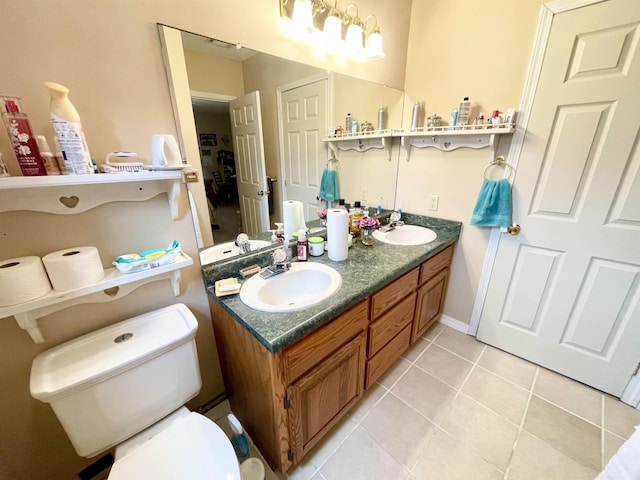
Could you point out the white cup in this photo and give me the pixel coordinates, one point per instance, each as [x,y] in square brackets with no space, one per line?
[165,152]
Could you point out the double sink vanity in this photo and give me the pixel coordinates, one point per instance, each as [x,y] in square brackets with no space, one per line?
[292,374]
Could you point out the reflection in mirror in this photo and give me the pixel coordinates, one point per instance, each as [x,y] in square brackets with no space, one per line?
[294,154]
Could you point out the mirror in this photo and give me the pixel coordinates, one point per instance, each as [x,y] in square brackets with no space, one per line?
[219,72]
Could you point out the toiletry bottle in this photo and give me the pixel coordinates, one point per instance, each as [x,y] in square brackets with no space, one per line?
[280,232]
[355,215]
[454,118]
[49,160]
[347,124]
[22,140]
[303,246]
[415,115]
[382,113]
[66,124]
[66,167]
[464,112]
[354,126]
[4,172]
[238,440]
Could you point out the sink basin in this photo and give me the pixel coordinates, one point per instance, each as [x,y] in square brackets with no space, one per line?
[406,235]
[227,250]
[304,285]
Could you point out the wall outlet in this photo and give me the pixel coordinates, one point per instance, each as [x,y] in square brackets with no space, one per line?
[433,204]
[364,194]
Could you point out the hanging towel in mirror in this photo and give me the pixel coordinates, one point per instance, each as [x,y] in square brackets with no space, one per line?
[329,186]
[493,207]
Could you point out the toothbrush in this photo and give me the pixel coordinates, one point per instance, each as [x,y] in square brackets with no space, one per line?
[379,210]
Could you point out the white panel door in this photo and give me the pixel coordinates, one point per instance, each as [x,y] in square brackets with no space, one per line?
[304,155]
[246,129]
[565,293]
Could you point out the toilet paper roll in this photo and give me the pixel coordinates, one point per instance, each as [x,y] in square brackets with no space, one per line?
[292,217]
[338,234]
[74,267]
[22,279]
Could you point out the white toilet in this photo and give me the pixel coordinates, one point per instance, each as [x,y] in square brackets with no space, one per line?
[125,386]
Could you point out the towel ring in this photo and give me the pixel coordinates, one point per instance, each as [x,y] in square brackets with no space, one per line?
[499,161]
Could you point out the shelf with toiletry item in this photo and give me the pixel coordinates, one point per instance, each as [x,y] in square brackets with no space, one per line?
[448,138]
[113,286]
[71,194]
[361,142]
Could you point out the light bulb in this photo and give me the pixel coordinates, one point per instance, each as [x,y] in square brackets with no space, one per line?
[302,16]
[354,38]
[374,46]
[332,31]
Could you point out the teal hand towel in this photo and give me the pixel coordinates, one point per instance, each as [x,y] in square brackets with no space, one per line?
[329,186]
[493,208]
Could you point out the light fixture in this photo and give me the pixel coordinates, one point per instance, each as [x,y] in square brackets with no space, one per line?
[332,30]
[302,15]
[373,47]
[322,26]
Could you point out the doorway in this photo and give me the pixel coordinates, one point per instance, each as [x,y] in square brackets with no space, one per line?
[213,127]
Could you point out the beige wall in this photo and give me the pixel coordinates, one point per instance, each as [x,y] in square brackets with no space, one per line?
[108,54]
[459,48]
[213,74]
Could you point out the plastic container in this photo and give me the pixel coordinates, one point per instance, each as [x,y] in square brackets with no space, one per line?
[454,117]
[4,172]
[355,215]
[280,232]
[21,137]
[382,113]
[49,160]
[66,124]
[316,246]
[139,262]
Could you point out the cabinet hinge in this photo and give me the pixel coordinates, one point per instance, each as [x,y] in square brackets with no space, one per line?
[290,455]
[287,402]
[637,369]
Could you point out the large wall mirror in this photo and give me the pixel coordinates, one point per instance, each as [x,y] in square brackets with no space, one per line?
[219,74]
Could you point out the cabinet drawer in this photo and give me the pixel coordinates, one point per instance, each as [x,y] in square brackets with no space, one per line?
[432,266]
[388,325]
[387,296]
[306,353]
[379,364]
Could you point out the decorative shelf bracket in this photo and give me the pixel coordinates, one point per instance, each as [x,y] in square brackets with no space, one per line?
[361,142]
[113,286]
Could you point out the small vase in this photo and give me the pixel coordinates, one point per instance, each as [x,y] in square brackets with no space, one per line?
[367,236]
[323,222]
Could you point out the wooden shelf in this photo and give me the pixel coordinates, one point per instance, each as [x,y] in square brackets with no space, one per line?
[451,138]
[71,194]
[113,286]
[361,142]
[443,138]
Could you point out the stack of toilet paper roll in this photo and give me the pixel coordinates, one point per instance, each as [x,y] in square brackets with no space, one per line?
[26,278]
[292,217]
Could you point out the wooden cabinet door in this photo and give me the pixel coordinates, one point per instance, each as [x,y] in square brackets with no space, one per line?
[429,303]
[321,397]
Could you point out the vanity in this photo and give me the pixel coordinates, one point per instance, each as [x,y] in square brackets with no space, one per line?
[290,377]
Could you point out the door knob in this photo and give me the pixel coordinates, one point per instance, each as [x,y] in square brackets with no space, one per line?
[513,229]
[261,193]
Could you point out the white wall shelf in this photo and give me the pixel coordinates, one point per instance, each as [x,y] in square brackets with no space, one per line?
[451,138]
[360,142]
[71,194]
[113,286]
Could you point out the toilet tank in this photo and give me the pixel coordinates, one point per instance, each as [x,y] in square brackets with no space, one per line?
[110,384]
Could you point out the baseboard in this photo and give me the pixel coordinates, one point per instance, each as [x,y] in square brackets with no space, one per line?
[455,324]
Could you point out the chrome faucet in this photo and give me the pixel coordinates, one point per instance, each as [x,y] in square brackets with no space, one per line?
[394,221]
[281,263]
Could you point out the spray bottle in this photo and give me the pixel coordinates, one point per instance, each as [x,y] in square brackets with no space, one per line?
[22,139]
[68,129]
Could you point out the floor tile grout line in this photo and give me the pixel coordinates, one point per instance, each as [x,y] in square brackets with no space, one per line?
[521,426]
[459,390]
[564,409]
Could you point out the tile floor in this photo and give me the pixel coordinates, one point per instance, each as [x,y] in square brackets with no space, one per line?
[454,408]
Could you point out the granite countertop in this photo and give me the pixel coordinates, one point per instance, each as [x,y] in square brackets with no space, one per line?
[366,270]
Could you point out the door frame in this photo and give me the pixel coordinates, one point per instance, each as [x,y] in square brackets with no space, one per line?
[290,86]
[631,394]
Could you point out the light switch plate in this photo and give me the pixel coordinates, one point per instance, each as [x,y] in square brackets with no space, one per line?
[433,205]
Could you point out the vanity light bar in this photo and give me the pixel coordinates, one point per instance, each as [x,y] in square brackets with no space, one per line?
[314,20]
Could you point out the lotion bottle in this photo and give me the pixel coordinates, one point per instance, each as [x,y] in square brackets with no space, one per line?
[22,139]
[68,129]
[49,160]
[415,115]
[464,112]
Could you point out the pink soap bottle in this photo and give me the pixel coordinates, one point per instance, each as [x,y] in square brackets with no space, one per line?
[22,139]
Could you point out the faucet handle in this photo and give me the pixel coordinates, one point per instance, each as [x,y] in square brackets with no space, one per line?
[280,255]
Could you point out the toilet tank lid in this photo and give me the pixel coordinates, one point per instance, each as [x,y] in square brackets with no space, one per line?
[105,352]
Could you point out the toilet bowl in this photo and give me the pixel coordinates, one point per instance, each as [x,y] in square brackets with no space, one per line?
[125,386]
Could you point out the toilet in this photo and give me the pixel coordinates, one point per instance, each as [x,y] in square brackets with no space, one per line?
[125,386]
